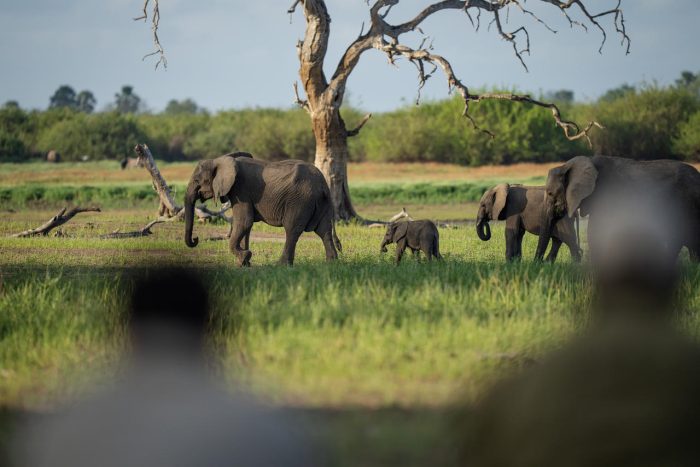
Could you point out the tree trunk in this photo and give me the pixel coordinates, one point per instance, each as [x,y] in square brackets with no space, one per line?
[332,158]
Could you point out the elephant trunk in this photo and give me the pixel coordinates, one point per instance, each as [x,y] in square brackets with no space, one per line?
[382,247]
[483,230]
[190,198]
[546,225]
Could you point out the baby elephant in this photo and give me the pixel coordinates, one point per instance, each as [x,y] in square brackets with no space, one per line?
[417,235]
[521,207]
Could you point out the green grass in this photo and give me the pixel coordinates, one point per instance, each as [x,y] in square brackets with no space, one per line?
[131,194]
[375,355]
[360,331]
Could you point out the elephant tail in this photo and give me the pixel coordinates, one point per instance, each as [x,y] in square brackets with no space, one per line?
[336,240]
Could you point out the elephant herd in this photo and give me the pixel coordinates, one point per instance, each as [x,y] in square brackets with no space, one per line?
[294,194]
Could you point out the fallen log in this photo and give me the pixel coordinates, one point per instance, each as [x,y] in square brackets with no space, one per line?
[59,219]
[144,232]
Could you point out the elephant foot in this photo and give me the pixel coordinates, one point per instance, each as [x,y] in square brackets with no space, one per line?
[244,258]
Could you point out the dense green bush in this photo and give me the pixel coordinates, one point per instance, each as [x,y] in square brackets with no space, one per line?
[647,123]
[437,131]
[13,124]
[269,133]
[99,136]
[642,125]
[11,147]
[688,140]
[168,134]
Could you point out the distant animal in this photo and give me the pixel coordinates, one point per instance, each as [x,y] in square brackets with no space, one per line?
[131,163]
[292,194]
[421,235]
[589,183]
[521,207]
[53,156]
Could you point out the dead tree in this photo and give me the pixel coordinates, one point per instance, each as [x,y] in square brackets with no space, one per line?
[59,219]
[324,96]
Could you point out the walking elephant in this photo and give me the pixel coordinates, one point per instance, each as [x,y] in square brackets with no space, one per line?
[421,235]
[291,194]
[594,183]
[521,207]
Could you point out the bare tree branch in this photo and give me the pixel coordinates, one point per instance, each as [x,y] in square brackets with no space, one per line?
[385,37]
[356,130]
[144,232]
[59,219]
[324,98]
[312,50]
[303,103]
[155,22]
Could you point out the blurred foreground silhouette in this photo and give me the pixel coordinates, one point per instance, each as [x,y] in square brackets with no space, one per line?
[165,410]
[623,394]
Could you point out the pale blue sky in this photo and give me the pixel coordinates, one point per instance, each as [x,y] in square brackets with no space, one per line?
[235,53]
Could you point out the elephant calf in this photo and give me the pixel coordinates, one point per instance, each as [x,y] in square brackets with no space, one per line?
[521,207]
[417,235]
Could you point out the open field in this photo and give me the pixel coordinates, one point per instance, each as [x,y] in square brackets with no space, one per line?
[354,344]
[179,172]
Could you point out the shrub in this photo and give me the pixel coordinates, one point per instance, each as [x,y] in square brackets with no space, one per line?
[100,136]
[687,142]
[437,131]
[644,124]
[11,147]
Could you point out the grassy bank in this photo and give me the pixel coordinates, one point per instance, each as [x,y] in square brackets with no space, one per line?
[40,184]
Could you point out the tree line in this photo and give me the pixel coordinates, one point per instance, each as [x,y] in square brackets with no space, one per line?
[641,122]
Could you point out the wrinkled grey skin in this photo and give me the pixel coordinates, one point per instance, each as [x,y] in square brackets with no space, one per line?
[521,207]
[419,236]
[291,194]
[586,182]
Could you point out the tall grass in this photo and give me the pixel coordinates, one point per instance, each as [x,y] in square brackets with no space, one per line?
[130,195]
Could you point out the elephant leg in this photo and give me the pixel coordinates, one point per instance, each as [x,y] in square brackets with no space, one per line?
[575,250]
[400,248]
[426,247]
[512,232]
[240,229]
[326,234]
[519,242]
[290,246]
[554,251]
[415,252]
[246,247]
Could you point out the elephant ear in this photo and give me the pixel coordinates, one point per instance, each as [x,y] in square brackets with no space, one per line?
[400,231]
[499,199]
[581,176]
[225,169]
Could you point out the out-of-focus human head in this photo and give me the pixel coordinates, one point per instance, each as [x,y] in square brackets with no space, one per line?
[625,392]
[625,395]
[166,410]
[168,312]
[635,243]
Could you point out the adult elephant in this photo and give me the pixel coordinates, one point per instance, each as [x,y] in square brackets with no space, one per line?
[521,207]
[589,183]
[291,194]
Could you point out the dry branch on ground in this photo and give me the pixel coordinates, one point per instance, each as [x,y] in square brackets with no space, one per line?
[61,218]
